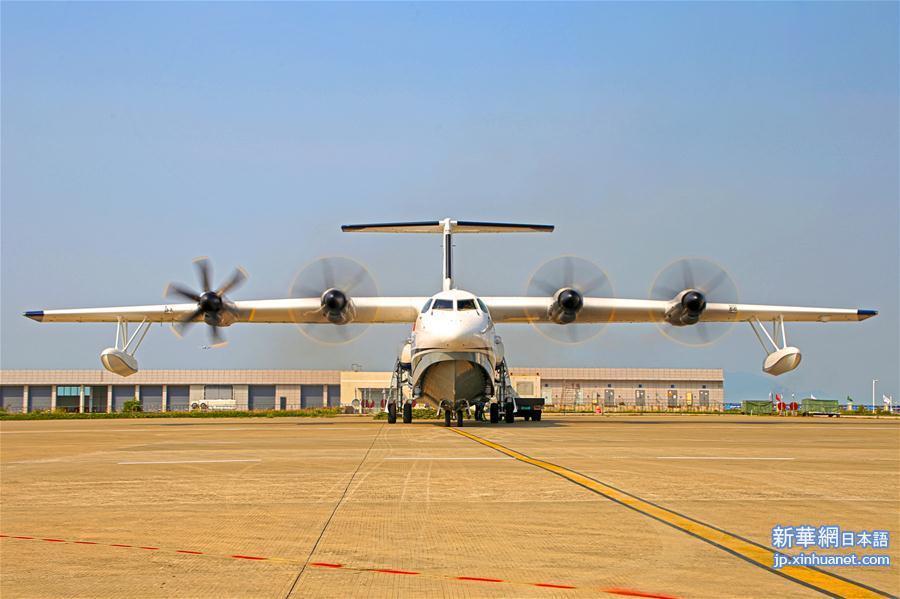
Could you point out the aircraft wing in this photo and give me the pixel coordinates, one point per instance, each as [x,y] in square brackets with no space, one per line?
[305,310]
[602,310]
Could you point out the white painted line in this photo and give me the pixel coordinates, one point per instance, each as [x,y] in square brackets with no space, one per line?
[427,458]
[688,457]
[188,462]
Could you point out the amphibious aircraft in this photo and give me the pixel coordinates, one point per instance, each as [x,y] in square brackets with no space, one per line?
[453,359]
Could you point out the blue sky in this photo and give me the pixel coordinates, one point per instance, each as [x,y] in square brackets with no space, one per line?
[761,135]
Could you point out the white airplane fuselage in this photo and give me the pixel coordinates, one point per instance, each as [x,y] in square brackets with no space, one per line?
[454,351]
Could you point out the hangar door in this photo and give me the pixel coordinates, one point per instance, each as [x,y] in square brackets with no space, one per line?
[261,397]
[151,398]
[311,396]
[121,394]
[39,398]
[11,397]
[179,397]
[334,396]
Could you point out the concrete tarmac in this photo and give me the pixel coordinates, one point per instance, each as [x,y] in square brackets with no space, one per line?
[656,506]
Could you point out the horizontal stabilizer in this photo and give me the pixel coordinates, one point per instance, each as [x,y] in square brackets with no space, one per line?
[456,226]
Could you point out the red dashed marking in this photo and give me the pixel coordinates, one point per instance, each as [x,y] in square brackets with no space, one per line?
[633,593]
[549,585]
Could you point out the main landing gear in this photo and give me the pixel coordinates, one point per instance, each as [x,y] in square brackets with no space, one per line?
[447,417]
[495,413]
[392,413]
[407,412]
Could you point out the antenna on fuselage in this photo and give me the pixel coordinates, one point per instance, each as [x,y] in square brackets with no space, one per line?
[447,227]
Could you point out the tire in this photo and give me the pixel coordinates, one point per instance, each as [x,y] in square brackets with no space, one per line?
[447,417]
[392,412]
[536,416]
[407,413]
[527,417]
[495,413]
[479,413]
[459,418]
[508,415]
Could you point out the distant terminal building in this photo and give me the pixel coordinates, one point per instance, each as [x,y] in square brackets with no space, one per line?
[583,389]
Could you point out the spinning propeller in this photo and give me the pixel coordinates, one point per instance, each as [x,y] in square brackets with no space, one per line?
[693,282]
[212,305]
[568,279]
[333,281]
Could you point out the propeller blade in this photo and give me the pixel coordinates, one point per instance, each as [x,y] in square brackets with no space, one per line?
[215,337]
[181,326]
[715,282]
[687,274]
[703,332]
[237,279]
[327,274]
[358,277]
[666,292]
[595,285]
[546,287]
[568,271]
[204,272]
[181,291]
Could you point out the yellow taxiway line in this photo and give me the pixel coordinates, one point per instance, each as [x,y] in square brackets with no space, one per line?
[756,554]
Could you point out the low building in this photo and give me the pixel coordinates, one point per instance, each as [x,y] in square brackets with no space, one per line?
[606,389]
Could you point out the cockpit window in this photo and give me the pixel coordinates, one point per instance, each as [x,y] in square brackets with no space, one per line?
[442,304]
[426,306]
[465,304]
[482,306]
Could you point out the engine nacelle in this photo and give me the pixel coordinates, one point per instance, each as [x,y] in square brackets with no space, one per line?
[567,303]
[688,309]
[337,307]
[781,361]
[118,362]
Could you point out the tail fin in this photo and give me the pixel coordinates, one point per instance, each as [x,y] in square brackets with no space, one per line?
[447,227]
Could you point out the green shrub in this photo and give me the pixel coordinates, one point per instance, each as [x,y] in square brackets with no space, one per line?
[132,405]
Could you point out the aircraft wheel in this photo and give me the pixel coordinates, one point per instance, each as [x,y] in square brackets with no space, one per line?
[392,412]
[459,417]
[479,412]
[447,417]
[536,415]
[407,413]
[509,415]
[495,413]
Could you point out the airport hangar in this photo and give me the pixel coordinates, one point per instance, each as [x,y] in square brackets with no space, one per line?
[611,389]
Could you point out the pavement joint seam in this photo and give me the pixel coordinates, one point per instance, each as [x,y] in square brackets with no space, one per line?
[333,512]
